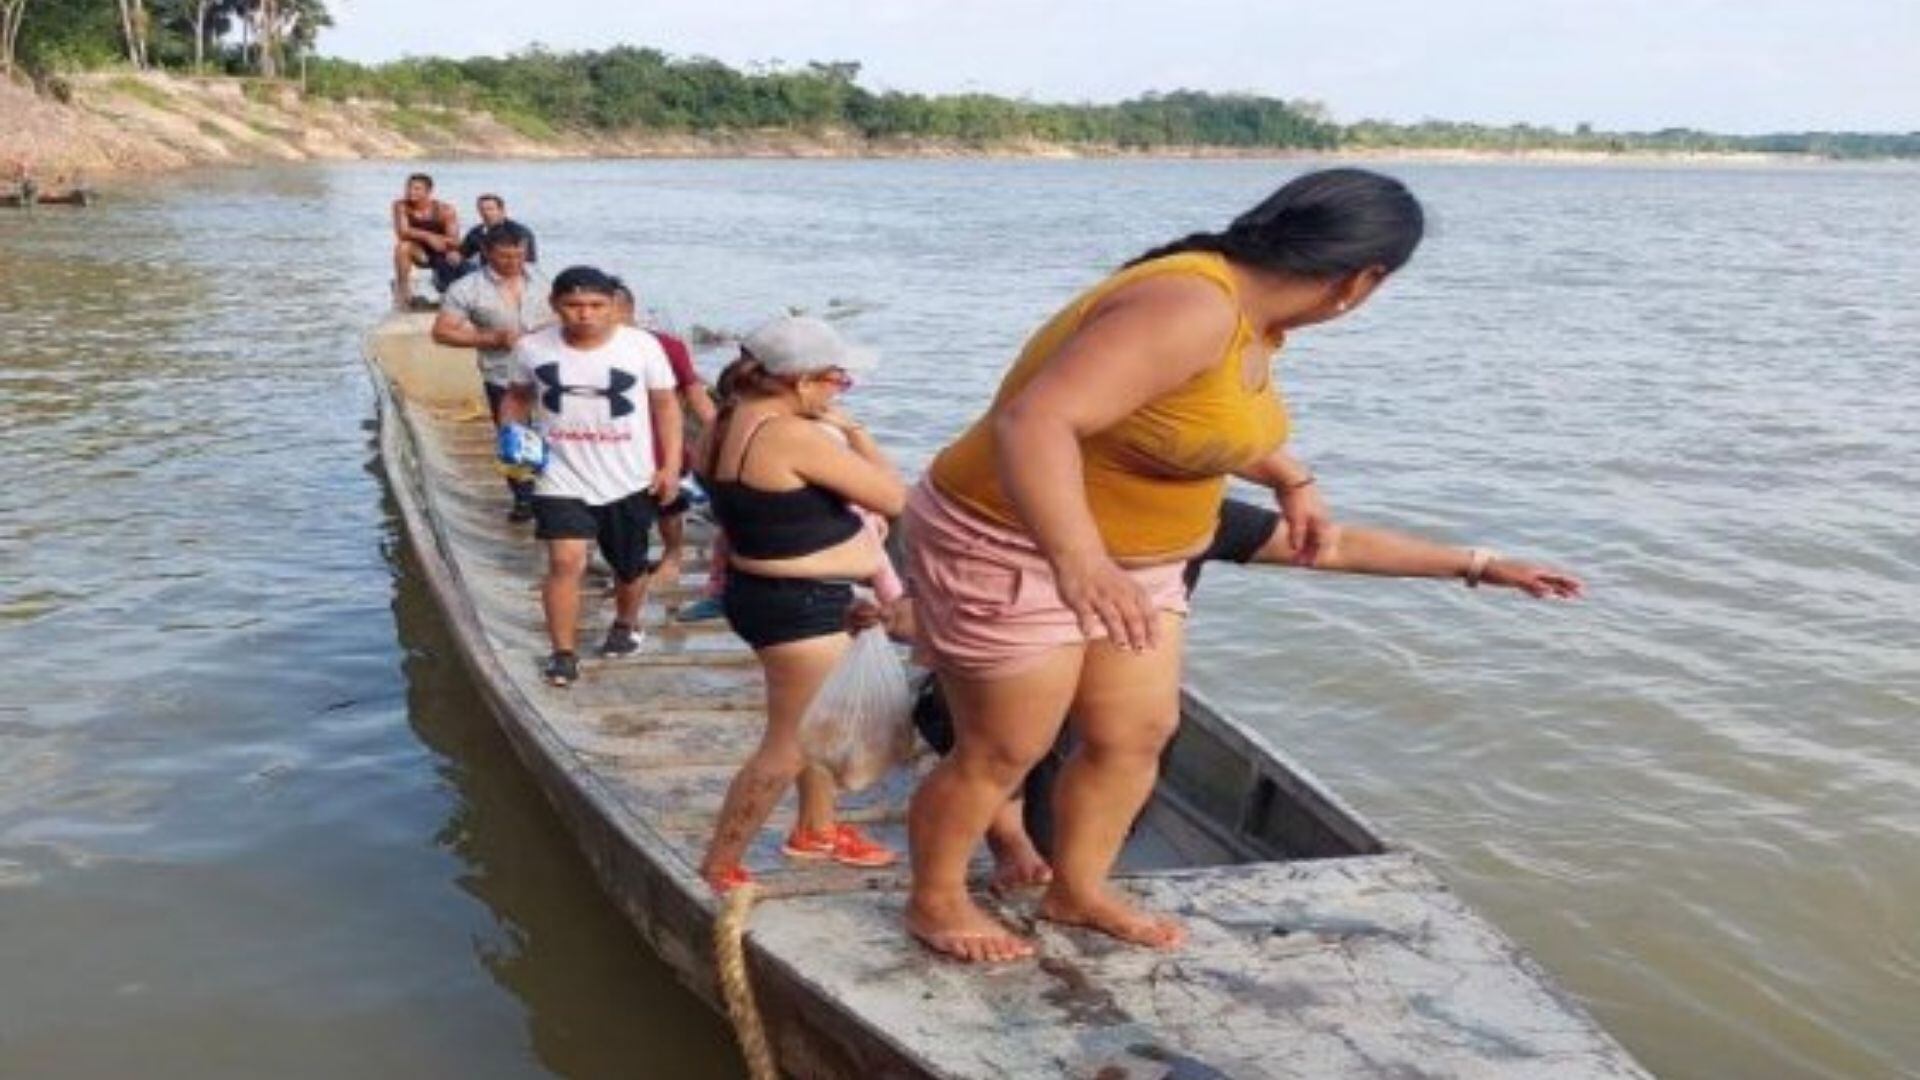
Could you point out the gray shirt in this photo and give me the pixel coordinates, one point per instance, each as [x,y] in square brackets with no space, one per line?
[478,299]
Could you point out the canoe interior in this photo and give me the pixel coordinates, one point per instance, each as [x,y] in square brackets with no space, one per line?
[1316,951]
[1225,796]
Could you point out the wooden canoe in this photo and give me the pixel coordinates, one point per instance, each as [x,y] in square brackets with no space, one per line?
[75,197]
[1316,950]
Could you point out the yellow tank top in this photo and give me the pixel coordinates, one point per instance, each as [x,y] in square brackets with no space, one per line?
[1155,479]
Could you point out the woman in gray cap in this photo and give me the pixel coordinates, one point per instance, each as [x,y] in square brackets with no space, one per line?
[786,470]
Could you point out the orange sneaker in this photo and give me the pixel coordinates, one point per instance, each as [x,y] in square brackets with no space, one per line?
[730,879]
[844,844]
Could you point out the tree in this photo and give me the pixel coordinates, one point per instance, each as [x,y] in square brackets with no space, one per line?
[280,27]
[264,15]
[12,14]
[134,28]
[201,10]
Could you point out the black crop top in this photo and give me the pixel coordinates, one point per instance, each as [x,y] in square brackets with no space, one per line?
[779,524]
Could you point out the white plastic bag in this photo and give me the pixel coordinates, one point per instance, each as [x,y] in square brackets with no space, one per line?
[860,724]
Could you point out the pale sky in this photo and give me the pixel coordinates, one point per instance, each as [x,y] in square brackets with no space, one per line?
[1736,66]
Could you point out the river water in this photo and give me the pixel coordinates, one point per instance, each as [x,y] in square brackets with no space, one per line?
[254,821]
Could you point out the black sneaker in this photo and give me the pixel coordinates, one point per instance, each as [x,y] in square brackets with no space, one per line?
[522,510]
[561,669]
[622,640]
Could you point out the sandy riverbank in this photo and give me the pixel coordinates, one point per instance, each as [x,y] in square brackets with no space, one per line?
[127,123]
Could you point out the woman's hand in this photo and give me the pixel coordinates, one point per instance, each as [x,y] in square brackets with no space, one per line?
[1101,594]
[1308,520]
[665,486]
[895,618]
[864,615]
[1540,582]
[899,620]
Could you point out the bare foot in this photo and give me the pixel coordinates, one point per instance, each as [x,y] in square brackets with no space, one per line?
[1016,864]
[963,932]
[1109,914]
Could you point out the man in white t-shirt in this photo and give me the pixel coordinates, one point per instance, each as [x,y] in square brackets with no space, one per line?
[596,390]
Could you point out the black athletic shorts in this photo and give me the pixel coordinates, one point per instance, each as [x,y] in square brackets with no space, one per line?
[768,611]
[1243,530]
[620,527]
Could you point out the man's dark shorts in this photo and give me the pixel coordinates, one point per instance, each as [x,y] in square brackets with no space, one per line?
[619,527]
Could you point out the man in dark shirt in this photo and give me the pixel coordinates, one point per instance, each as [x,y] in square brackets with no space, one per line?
[493,218]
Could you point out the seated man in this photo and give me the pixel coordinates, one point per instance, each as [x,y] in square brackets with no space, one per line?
[597,390]
[426,233]
[489,311]
[494,219]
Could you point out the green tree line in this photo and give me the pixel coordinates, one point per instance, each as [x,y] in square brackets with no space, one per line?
[627,88]
[264,37]
[636,88]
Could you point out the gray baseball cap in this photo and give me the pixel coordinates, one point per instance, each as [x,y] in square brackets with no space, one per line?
[803,345]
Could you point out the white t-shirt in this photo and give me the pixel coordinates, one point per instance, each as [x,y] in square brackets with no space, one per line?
[592,408]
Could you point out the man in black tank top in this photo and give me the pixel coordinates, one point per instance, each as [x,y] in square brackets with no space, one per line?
[426,234]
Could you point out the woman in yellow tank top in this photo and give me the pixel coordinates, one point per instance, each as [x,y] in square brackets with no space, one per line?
[1046,544]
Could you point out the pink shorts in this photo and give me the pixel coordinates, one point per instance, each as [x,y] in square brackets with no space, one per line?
[985,602]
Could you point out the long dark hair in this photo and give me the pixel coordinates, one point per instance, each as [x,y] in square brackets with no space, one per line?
[744,379]
[1324,225]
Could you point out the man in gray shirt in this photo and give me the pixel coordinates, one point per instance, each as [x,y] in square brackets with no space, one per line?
[488,311]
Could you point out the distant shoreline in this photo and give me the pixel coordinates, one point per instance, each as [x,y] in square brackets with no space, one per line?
[122,124]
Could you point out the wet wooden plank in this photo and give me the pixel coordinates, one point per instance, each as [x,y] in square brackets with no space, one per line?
[1363,967]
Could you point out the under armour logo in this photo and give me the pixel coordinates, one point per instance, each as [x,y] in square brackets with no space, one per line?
[618,383]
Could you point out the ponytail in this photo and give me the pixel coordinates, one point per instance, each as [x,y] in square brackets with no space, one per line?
[1324,225]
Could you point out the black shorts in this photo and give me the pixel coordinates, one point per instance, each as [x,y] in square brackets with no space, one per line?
[680,505]
[769,611]
[620,527]
[1243,530]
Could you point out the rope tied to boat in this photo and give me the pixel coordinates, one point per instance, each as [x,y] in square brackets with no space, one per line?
[730,959]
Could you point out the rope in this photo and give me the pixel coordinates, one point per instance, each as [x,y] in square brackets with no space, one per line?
[730,958]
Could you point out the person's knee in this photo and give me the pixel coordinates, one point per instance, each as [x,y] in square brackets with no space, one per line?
[1003,764]
[1143,740]
[566,563]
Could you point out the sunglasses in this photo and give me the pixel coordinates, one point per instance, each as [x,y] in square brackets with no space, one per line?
[837,377]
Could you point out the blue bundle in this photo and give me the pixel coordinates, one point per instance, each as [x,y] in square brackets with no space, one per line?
[522,452]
